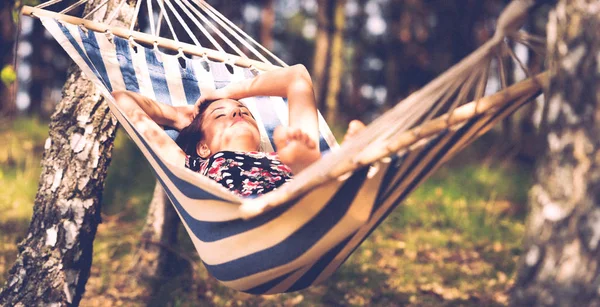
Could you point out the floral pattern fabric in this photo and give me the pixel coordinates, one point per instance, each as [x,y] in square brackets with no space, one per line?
[245,173]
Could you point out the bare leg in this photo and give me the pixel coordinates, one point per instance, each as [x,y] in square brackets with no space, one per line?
[295,148]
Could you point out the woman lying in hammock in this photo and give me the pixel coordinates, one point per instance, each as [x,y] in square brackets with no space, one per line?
[220,138]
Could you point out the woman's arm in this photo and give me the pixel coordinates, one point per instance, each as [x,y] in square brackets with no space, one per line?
[293,83]
[164,115]
[146,115]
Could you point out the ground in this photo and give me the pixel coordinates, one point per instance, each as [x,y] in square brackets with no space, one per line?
[454,241]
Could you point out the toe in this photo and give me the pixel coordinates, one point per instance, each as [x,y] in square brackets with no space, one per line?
[280,136]
[355,126]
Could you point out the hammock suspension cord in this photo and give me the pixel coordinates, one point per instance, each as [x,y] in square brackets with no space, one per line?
[202,10]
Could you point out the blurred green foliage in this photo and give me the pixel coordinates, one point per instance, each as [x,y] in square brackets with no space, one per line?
[8,75]
[16,12]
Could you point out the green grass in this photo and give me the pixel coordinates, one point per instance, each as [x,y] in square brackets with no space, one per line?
[23,141]
[129,183]
[472,200]
[20,168]
[454,241]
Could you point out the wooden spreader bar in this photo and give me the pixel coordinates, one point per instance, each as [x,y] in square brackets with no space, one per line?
[151,40]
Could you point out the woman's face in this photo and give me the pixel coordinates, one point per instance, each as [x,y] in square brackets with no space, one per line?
[228,125]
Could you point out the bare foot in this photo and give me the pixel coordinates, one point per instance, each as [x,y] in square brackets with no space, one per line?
[295,148]
[354,127]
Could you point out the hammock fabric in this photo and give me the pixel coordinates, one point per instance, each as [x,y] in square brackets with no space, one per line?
[301,233]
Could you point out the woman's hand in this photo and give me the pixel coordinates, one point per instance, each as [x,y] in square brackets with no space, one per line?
[209,94]
[184,116]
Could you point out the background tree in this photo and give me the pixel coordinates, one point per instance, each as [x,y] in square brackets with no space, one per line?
[155,257]
[321,58]
[335,69]
[267,22]
[560,262]
[8,34]
[48,63]
[54,259]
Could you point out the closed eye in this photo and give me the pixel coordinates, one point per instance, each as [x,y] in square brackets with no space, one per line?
[220,115]
[247,113]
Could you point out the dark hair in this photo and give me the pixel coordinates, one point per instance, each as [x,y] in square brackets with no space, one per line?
[192,134]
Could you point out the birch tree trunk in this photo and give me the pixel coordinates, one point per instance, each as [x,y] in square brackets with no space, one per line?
[560,263]
[54,259]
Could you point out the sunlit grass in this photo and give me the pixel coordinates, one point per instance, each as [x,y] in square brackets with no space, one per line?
[472,200]
[129,183]
[20,167]
[455,239]
[22,143]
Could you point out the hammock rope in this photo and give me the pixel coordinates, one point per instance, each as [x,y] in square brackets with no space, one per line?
[300,234]
[229,30]
[47,4]
[213,27]
[196,22]
[115,12]
[133,22]
[232,25]
[163,14]
[73,6]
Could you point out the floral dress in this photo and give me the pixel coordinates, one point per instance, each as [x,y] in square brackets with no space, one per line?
[244,173]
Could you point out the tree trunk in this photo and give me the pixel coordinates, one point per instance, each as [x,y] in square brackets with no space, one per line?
[336,63]
[160,230]
[355,106]
[54,259]
[267,22]
[322,50]
[42,75]
[559,265]
[8,31]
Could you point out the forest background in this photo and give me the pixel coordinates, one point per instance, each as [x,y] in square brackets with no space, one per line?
[455,240]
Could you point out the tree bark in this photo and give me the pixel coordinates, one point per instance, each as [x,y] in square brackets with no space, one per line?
[54,259]
[560,262]
[322,50]
[336,63]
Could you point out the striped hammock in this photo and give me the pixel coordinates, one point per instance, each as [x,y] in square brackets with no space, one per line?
[301,233]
